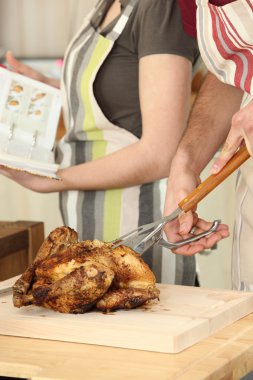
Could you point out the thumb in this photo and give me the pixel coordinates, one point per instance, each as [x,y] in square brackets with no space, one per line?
[185,222]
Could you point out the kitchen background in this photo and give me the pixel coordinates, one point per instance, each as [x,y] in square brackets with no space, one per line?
[38,32]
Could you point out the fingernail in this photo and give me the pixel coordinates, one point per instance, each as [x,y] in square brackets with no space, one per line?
[215,169]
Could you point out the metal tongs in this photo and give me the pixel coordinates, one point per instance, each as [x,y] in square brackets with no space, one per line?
[144,237]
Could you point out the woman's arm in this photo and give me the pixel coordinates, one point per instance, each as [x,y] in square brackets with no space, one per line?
[164,97]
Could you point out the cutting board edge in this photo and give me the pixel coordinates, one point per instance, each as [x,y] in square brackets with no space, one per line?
[100,333]
[236,312]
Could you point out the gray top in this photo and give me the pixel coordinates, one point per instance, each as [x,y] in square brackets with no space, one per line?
[154,27]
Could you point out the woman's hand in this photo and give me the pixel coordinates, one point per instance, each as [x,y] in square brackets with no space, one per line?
[21,68]
[32,182]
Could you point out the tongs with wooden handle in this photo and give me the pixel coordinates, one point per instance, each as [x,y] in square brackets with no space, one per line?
[147,235]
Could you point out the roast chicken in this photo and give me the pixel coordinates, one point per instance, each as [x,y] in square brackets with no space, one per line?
[72,276]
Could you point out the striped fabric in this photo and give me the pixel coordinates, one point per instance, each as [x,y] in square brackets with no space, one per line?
[225,36]
[229,53]
[106,215]
[91,136]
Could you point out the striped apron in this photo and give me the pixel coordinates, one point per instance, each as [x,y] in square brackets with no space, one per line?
[225,37]
[106,215]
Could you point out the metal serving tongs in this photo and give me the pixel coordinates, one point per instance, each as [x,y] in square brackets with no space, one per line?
[144,237]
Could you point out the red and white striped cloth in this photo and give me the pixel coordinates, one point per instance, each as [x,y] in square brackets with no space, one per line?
[229,51]
[225,36]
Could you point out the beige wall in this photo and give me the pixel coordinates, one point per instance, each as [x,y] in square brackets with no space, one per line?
[40,28]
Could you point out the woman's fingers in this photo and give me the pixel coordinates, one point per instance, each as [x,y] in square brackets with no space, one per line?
[14,64]
[21,68]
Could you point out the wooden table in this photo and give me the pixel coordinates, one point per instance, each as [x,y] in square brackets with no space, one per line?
[226,355]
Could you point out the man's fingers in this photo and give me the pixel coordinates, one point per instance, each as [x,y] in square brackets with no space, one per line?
[248,137]
[227,152]
[205,242]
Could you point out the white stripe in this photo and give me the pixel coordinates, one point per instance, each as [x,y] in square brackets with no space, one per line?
[168,258]
[72,214]
[66,152]
[168,266]
[162,190]
[129,209]
[119,27]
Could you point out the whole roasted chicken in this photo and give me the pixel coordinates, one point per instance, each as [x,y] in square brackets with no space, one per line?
[72,277]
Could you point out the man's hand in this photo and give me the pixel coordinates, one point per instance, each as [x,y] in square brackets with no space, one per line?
[208,127]
[241,129]
[180,184]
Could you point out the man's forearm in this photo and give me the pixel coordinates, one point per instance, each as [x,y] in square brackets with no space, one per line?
[209,123]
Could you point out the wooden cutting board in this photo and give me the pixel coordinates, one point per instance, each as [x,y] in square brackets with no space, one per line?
[183,316]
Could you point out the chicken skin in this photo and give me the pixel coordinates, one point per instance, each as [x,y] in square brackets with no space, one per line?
[72,276]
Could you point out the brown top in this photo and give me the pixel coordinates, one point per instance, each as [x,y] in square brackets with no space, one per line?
[154,27]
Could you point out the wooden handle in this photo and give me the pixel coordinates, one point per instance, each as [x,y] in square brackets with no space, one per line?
[189,202]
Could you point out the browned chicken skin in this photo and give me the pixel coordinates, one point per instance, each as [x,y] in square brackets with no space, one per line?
[72,277]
